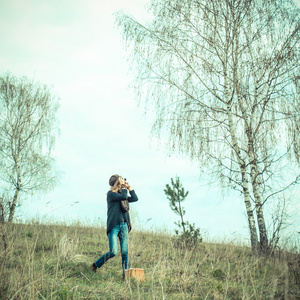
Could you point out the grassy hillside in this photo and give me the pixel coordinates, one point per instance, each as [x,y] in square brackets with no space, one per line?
[52,262]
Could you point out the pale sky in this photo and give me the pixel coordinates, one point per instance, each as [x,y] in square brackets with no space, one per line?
[74,47]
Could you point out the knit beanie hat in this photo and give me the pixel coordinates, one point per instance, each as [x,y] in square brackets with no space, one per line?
[113,179]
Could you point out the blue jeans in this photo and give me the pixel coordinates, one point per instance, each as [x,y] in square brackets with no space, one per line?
[119,231]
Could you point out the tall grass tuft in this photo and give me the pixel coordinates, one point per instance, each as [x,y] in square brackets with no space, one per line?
[67,247]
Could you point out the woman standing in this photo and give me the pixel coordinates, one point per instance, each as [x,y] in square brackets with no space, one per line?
[118,221]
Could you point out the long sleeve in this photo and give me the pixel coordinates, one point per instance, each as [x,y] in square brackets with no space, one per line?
[116,197]
[133,197]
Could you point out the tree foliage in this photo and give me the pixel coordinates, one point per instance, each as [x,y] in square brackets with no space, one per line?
[28,127]
[223,76]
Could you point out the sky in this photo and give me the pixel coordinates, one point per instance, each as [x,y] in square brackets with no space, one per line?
[74,47]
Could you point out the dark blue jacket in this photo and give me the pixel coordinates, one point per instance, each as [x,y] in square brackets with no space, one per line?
[115,215]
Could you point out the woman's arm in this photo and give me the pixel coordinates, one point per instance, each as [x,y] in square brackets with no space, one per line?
[112,196]
[133,197]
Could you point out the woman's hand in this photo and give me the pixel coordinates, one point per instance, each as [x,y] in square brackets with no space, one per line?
[128,186]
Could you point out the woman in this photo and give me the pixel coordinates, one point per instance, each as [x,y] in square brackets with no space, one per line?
[118,221]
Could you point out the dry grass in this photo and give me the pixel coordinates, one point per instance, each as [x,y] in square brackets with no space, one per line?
[52,262]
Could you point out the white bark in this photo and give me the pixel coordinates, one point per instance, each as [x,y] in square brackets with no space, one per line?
[244,175]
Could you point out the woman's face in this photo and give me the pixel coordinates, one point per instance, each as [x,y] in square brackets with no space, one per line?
[121,180]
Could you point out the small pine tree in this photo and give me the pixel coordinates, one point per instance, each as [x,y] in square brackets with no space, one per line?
[176,195]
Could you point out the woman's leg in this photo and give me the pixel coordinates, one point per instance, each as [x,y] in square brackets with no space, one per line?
[124,238]
[113,247]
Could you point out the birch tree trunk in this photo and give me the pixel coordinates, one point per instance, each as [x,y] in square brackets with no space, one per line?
[12,207]
[258,203]
[263,241]
[244,175]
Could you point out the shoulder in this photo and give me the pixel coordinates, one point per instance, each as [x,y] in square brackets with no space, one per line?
[109,193]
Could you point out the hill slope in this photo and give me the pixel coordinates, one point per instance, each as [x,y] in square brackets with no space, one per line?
[52,262]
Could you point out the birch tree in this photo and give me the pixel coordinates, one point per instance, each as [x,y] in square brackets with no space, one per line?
[222,76]
[28,127]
